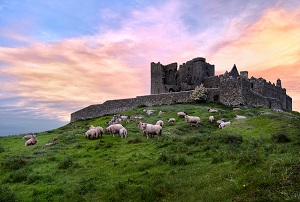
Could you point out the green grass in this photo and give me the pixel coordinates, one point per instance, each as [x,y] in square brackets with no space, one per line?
[255,159]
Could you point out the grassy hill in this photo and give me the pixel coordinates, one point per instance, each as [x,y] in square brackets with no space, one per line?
[255,159]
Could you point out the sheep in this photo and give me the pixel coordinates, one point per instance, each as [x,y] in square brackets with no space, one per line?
[151,130]
[123,132]
[91,127]
[31,141]
[239,117]
[113,129]
[192,120]
[277,110]
[149,111]
[160,113]
[236,109]
[160,123]
[91,133]
[212,110]
[99,131]
[26,137]
[220,121]
[171,120]
[223,124]
[211,119]
[181,114]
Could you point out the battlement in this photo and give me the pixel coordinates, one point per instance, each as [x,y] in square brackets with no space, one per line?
[170,85]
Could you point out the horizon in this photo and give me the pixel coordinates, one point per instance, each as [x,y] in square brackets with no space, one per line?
[59,57]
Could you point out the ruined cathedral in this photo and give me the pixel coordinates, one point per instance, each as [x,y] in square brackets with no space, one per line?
[231,88]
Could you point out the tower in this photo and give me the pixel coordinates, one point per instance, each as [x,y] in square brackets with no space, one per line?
[278,83]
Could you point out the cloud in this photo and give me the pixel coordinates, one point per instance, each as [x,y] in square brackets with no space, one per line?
[52,80]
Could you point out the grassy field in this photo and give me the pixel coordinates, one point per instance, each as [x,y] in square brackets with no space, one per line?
[255,159]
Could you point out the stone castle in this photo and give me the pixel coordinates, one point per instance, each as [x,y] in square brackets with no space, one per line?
[170,85]
[232,88]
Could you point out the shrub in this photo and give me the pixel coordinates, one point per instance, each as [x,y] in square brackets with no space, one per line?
[231,139]
[172,159]
[199,94]
[2,149]
[14,162]
[280,138]
[6,194]
[65,163]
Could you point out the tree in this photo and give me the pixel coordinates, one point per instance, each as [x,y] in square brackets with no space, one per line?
[199,94]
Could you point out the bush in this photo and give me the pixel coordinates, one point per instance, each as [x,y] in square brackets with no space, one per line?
[6,194]
[2,149]
[14,162]
[231,139]
[65,163]
[172,159]
[199,94]
[280,138]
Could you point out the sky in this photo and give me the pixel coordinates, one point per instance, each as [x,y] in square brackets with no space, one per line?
[57,57]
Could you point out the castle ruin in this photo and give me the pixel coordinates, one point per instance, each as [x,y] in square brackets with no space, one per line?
[231,88]
[170,85]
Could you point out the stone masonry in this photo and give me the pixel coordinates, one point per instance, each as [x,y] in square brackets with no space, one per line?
[171,85]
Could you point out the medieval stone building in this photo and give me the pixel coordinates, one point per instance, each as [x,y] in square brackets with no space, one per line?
[232,88]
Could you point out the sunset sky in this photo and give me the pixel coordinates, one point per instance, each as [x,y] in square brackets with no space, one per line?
[57,57]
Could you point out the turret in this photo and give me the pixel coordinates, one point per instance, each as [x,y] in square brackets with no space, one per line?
[278,83]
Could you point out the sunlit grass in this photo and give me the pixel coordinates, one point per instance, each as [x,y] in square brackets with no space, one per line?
[255,159]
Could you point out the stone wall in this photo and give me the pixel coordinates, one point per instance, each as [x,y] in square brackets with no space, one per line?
[117,106]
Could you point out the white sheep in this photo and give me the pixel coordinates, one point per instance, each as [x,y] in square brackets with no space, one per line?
[151,130]
[220,121]
[236,109]
[160,123]
[149,111]
[26,137]
[113,129]
[91,127]
[31,141]
[212,110]
[192,120]
[123,132]
[223,124]
[211,119]
[239,117]
[171,120]
[99,131]
[160,113]
[91,133]
[181,114]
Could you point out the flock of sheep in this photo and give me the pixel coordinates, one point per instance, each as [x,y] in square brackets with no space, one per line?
[114,127]
[150,129]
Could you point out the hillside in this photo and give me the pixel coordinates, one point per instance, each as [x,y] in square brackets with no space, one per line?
[254,159]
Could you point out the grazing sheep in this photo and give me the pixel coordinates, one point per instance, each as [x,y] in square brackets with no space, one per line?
[171,120]
[91,127]
[211,119]
[99,131]
[91,133]
[239,117]
[31,141]
[149,111]
[223,124]
[151,130]
[181,114]
[220,121]
[277,110]
[26,137]
[192,120]
[113,129]
[212,110]
[160,123]
[160,113]
[236,109]
[123,132]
